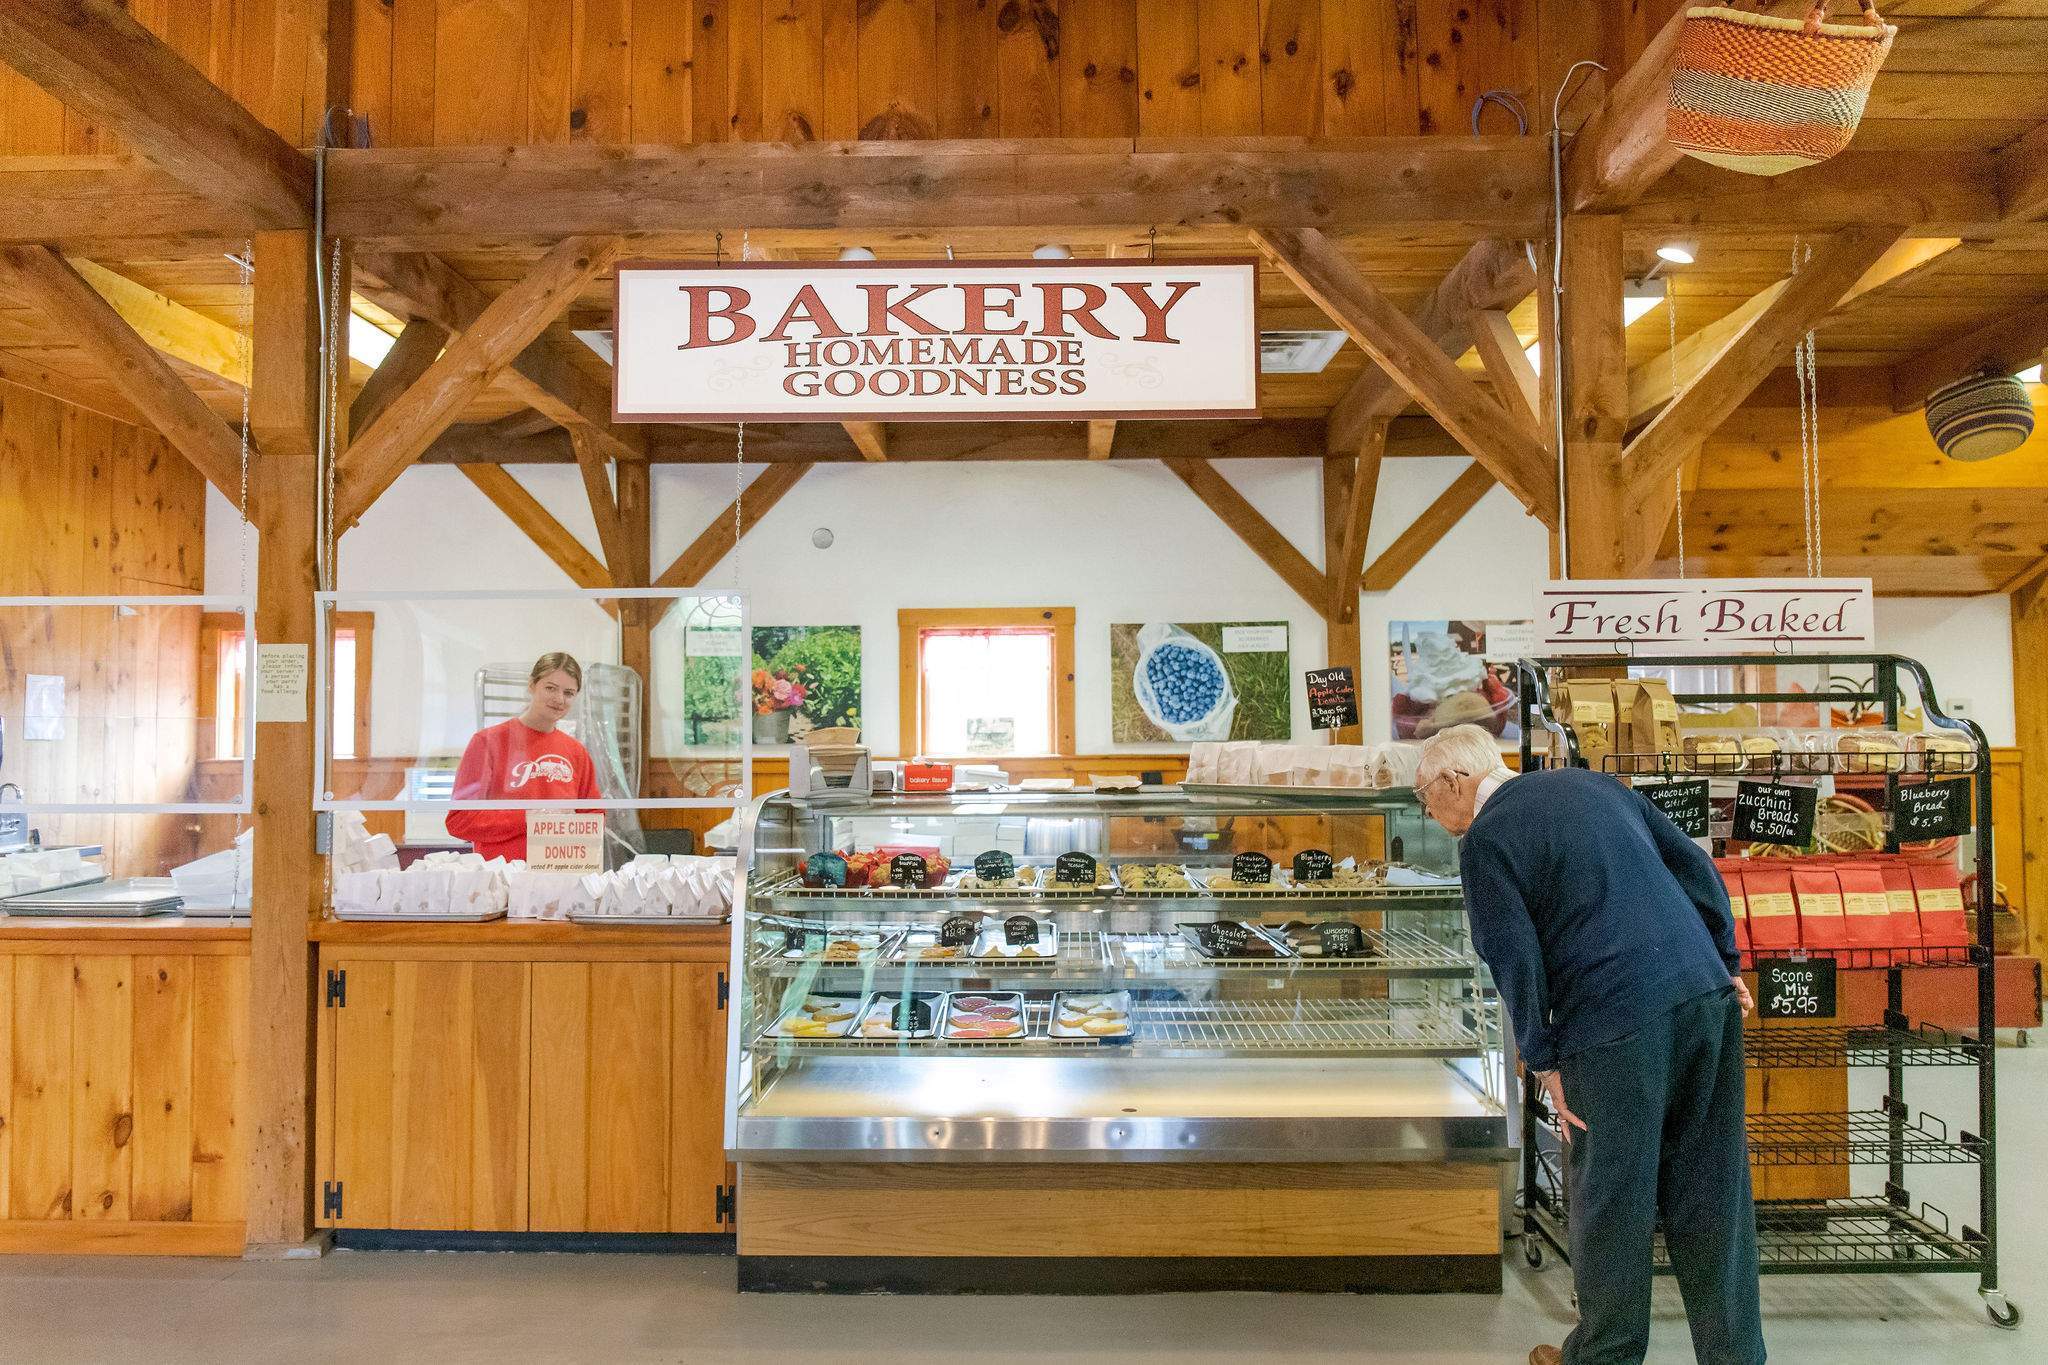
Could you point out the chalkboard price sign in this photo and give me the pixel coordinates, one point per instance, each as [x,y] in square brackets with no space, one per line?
[798,939]
[909,869]
[1314,865]
[994,866]
[1932,810]
[959,930]
[1341,938]
[1786,989]
[913,1015]
[1074,869]
[1774,813]
[1684,802]
[1225,938]
[1251,869]
[1020,929]
[1332,698]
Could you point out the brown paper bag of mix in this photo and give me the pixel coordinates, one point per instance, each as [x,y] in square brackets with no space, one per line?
[1588,707]
[1625,692]
[1653,727]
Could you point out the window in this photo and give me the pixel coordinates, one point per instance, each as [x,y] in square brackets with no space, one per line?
[985,683]
[223,690]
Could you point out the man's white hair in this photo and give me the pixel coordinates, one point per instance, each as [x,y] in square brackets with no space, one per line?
[1468,749]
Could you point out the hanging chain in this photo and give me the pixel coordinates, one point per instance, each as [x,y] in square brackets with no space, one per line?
[245,351]
[1809,424]
[739,470]
[331,353]
[1671,350]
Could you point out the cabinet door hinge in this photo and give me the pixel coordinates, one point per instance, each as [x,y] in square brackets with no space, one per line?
[330,1199]
[724,990]
[723,1210]
[337,987]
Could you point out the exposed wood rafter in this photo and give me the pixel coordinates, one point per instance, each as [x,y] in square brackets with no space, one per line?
[417,347]
[469,364]
[179,332]
[1415,360]
[142,375]
[539,525]
[717,540]
[2022,169]
[1363,491]
[93,56]
[604,506]
[2008,344]
[1621,150]
[871,439]
[1507,366]
[1393,563]
[1260,535]
[1101,440]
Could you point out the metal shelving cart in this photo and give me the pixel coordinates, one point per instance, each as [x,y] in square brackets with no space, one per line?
[1880,1234]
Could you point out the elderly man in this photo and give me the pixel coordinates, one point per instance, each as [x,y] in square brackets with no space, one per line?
[1611,941]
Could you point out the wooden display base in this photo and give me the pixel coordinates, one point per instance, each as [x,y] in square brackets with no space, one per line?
[1114,1227]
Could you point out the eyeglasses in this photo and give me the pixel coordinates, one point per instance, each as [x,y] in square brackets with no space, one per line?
[1421,792]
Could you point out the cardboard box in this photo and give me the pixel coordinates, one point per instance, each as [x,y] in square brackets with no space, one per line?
[1653,725]
[1938,889]
[1822,925]
[1904,908]
[1868,910]
[1773,913]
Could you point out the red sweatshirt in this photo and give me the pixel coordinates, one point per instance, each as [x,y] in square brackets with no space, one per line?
[512,761]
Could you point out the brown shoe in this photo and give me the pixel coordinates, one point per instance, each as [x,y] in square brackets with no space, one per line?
[1547,1355]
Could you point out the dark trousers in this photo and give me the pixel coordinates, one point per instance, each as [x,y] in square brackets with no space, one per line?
[1663,1136]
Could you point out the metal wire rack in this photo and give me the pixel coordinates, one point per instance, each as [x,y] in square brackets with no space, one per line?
[1388,952]
[1819,1045]
[1777,764]
[1859,1137]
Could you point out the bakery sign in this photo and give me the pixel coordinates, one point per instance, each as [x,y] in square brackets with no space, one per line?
[828,341]
[1704,616]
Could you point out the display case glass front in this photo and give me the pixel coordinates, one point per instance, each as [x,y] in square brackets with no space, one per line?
[1165,974]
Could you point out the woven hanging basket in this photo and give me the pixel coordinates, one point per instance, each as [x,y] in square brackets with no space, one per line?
[1981,417]
[1764,95]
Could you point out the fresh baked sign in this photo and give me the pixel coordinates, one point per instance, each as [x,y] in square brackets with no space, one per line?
[825,341]
[1703,616]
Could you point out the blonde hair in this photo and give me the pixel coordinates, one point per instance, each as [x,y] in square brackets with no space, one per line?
[1468,749]
[555,662]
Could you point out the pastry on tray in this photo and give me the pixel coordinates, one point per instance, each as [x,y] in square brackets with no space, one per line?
[1142,877]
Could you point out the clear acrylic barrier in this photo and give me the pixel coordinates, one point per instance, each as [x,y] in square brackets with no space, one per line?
[106,707]
[428,671]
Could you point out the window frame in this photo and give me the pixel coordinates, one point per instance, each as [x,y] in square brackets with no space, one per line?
[913,622]
[214,625]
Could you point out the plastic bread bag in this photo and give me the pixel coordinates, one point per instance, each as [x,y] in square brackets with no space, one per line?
[1394,764]
[1204,762]
[1236,760]
[1181,685]
[1312,766]
[357,891]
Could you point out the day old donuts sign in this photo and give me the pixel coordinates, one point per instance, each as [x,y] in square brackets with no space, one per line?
[820,341]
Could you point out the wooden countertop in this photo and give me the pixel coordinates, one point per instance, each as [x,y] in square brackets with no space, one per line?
[513,938]
[148,930]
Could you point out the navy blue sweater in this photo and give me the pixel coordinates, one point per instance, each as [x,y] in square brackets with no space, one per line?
[1596,915]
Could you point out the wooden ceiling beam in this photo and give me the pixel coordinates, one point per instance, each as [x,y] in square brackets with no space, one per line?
[1621,150]
[2023,177]
[96,58]
[716,541]
[1435,522]
[88,392]
[544,377]
[604,506]
[1493,274]
[871,439]
[538,525]
[171,327]
[469,364]
[143,376]
[1364,492]
[1259,535]
[2008,345]
[427,197]
[1945,191]
[1507,366]
[419,344]
[1101,440]
[1749,355]
[1415,360]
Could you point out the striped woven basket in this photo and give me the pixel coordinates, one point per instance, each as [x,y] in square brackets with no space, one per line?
[1978,418]
[1765,95]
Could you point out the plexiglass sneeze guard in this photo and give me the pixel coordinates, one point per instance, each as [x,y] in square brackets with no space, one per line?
[663,709]
[1158,976]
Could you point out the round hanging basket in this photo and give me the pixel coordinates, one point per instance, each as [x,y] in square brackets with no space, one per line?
[1765,95]
[1980,417]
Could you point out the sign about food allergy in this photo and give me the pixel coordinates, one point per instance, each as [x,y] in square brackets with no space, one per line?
[824,341]
[1703,616]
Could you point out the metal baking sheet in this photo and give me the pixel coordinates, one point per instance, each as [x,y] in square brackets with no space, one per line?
[108,899]
[1116,1000]
[92,878]
[1011,1000]
[1191,935]
[649,921]
[850,1005]
[400,917]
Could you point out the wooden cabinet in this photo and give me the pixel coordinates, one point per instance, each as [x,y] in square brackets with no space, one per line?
[122,1065]
[544,1093]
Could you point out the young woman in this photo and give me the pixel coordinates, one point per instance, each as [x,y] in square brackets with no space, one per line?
[524,759]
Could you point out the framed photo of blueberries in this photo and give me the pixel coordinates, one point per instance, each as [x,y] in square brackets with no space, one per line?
[1199,680]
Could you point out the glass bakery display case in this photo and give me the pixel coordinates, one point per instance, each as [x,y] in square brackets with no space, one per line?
[1166,975]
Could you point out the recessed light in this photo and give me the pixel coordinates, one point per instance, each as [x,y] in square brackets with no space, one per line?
[1679,253]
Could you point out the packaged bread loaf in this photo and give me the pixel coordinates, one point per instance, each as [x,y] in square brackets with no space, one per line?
[1712,752]
[1394,764]
[1943,751]
[1871,751]
[1310,766]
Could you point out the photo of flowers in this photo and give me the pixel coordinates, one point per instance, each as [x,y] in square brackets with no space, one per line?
[803,678]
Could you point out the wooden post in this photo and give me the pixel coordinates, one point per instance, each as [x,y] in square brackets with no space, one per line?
[2029,881]
[284,420]
[1339,472]
[1595,396]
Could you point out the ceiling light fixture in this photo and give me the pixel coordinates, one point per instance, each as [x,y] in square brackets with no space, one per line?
[1679,253]
[1051,251]
[856,253]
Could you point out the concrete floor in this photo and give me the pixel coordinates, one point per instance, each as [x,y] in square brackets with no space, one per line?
[449,1309]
